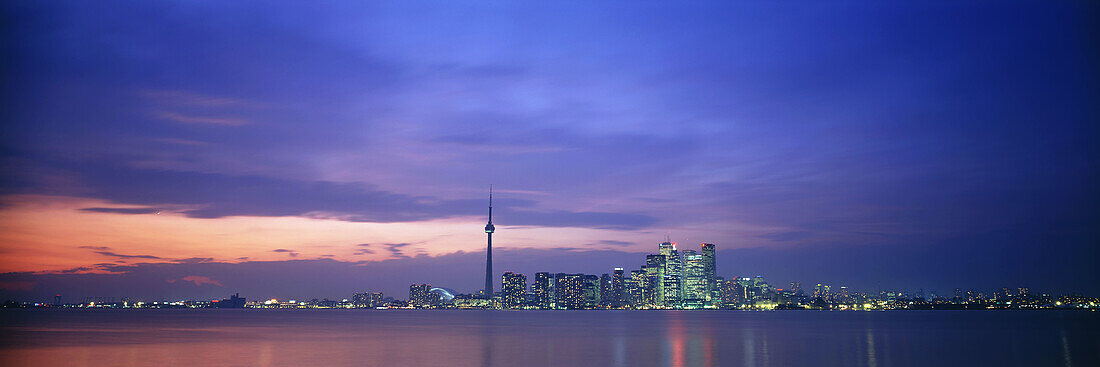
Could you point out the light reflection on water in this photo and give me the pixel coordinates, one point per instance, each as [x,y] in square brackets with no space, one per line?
[544,338]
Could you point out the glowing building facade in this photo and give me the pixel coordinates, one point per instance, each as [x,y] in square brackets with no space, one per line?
[513,290]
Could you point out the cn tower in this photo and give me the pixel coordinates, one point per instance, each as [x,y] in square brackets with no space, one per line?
[489,229]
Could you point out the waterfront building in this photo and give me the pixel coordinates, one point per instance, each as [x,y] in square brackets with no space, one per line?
[591,291]
[672,280]
[541,290]
[654,292]
[639,281]
[569,291]
[618,284]
[710,271]
[420,296]
[367,300]
[695,281]
[234,301]
[513,290]
[733,293]
[605,291]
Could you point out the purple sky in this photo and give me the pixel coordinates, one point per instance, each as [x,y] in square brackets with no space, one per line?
[921,145]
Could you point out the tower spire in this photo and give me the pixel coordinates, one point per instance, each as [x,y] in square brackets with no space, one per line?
[489,229]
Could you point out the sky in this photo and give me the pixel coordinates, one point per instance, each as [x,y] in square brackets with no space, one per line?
[162,149]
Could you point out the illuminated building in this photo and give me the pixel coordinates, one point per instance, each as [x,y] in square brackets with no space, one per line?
[513,290]
[569,291]
[367,300]
[654,292]
[420,295]
[234,301]
[694,281]
[591,291]
[710,272]
[618,287]
[733,293]
[639,281]
[672,280]
[796,288]
[541,290]
[606,298]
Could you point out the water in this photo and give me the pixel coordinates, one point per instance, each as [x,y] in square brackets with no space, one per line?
[547,338]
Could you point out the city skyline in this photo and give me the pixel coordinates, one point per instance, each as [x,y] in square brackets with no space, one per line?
[677,279]
[196,150]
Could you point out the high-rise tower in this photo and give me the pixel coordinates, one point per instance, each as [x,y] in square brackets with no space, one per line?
[711,273]
[489,229]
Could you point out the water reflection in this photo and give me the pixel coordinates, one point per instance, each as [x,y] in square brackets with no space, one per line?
[545,339]
[486,331]
[675,339]
[1065,350]
[871,361]
[619,348]
[688,342]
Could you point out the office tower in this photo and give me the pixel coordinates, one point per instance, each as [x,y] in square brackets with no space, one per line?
[716,300]
[654,292]
[637,288]
[367,299]
[673,286]
[733,294]
[591,291]
[513,288]
[695,281]
[234,301]
[57,300]
[541,289]
[748,291]
[489,229]
[618,286]
[710,269]
[606,299]
[420,295]
[569,291]
[796,288]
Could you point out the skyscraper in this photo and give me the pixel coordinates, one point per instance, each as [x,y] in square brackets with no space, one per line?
[654,292]
[710,271]
[672,281]
[569,291]
[694,281]
[733,293]
[637,288]
[591,291]
[541,289]
[513,289]
[420,295]
[489,229]
[618,287]
[606,299]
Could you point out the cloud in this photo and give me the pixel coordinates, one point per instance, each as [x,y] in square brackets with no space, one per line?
[186,98]
[200,280]
[192,119]
[123,210]
[292,253]
[395,249]
[104,250]
[214,195]
[197,280]
[614,243]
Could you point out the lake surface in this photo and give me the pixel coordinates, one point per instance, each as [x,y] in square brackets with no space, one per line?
[248,337]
